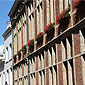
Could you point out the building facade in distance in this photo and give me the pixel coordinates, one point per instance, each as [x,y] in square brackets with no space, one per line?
[8,54]
[58,57]
[2,67]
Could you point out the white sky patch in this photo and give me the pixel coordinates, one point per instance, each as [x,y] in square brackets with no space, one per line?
[1,48]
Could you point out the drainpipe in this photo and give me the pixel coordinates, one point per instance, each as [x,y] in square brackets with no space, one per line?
[26,59]
[12,59]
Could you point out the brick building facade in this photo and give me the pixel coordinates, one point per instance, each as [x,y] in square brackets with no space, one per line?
[59,59]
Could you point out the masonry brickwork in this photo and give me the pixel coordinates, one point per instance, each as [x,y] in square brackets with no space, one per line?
[60,59]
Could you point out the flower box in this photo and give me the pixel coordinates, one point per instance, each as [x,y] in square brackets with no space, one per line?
[19,53]
[39,37]
[49,28]
[15,56]
[63,16]
[78,3]
[30,43]
[24,49]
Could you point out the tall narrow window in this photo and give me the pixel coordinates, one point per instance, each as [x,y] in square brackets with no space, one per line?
[7,55]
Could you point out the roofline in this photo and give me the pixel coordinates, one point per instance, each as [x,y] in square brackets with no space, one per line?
[13,9]
[7,31]
[15,5]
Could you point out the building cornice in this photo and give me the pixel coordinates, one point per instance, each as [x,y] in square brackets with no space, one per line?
[6,32]
[15,6]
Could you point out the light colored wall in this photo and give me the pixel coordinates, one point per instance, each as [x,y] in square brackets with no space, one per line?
[7,42]
[2,81]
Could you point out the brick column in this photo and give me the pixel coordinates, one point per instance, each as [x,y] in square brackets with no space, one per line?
[45,13]
[22,80]
[17,82]
[78,71]
[59,52]
[22,29]
[47,77]
[57,7]
[37,82]
[60,74]
[17,35]
[46,58]
[76,43]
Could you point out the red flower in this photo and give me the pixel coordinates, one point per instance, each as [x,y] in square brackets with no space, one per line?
[40,34]
[76,3]
[30,42]
[62,15]
[49,27]
[18,53]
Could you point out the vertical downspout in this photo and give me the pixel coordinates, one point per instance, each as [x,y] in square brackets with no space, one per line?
[26,11]
[12,60]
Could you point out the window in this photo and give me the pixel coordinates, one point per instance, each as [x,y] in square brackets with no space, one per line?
[7,55]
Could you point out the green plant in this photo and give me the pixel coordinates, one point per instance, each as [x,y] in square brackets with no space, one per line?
[39,36]
[64,14]
[49,28]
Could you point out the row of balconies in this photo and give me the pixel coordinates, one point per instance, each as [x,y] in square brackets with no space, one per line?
[63,21]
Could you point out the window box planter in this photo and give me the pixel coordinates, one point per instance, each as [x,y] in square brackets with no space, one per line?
[49,28]
[24,50]
[31,45]
[39,38]
[15,58]
[19,53]
[63,16]
[78,3]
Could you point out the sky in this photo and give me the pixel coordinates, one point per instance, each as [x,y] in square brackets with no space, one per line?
[5,6]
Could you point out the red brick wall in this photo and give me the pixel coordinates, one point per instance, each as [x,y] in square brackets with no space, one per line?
[47,76]
[57,31]
[17,38]
[22,29]
[17,72]
[22,69]
[57,6]
[22,80]
[76,43]
[46,58]
[35,18]
[17,82]
[60,74]
[75,18]
[36,78]
[45,13]
[59,52]
[36,63]
[78,69]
